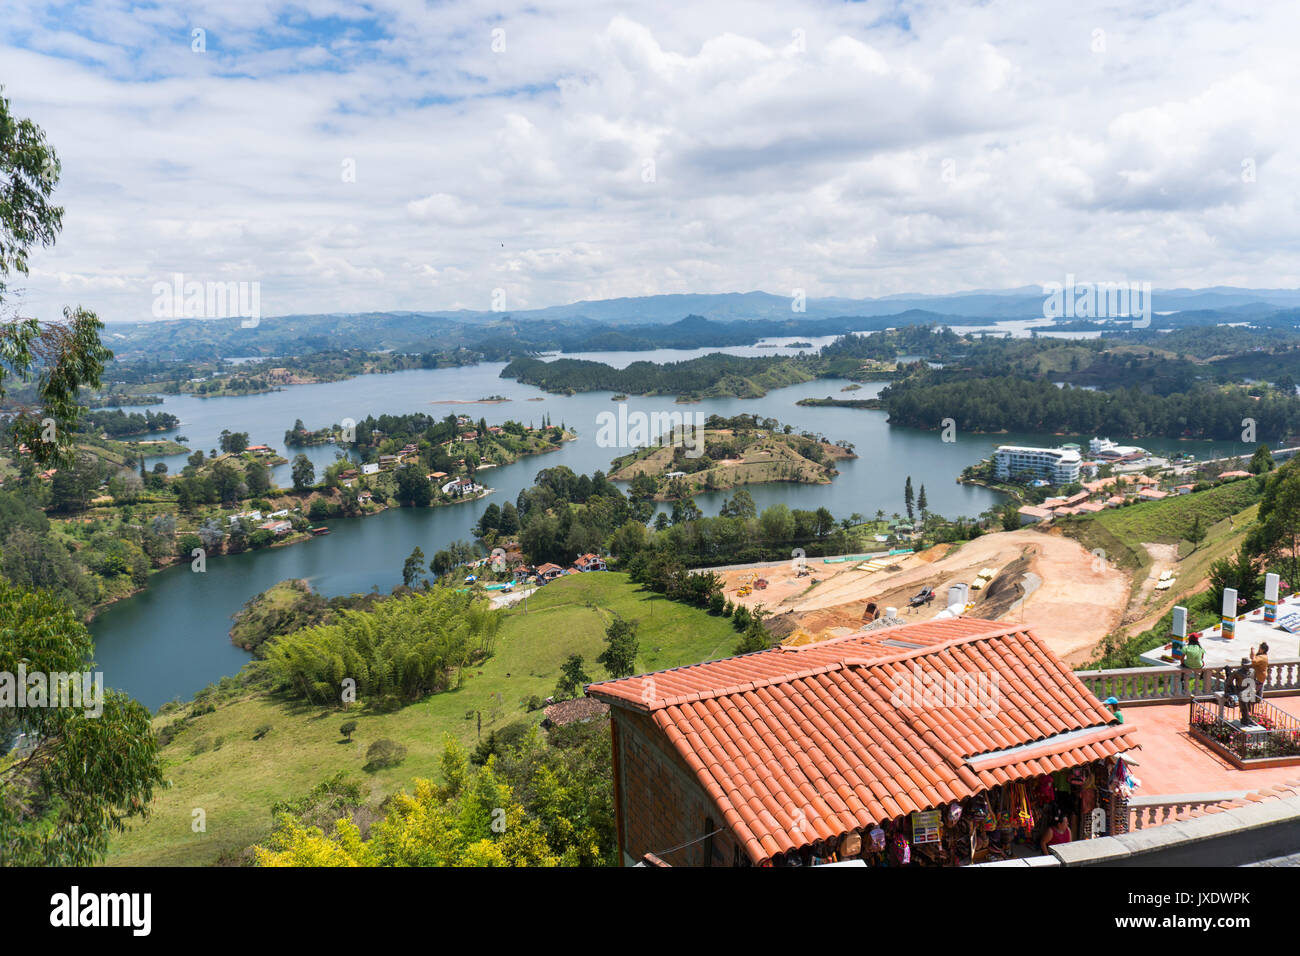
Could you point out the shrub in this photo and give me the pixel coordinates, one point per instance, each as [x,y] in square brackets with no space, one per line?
[168,733]
[348,729]
[384,753]
[261,731]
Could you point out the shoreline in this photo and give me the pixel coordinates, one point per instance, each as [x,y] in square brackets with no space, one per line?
[298,537]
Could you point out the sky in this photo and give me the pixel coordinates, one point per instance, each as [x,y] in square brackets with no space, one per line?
[412,155]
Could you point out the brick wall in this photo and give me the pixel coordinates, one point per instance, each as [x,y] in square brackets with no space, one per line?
[661,803]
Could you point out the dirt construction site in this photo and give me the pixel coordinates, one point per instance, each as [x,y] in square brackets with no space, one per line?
[1049,583]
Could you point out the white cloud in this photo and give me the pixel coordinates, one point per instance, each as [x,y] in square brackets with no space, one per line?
[686,147]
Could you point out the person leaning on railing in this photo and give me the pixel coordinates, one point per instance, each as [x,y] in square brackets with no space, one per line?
[1259,662]
[1194,659]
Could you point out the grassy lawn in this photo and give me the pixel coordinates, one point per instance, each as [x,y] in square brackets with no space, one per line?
[237,784]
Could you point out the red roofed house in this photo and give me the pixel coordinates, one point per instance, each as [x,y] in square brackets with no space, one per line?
[1235,474]
[1152,494]
[1032,513]
[549,572]
[772,751]
[589,562]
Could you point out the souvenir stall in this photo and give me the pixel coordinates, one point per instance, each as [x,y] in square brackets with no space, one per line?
[1008,821]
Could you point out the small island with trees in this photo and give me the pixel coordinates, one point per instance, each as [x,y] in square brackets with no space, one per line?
[742,450]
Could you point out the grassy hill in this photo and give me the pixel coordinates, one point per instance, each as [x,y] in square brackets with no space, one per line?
[215,765]
[1121,532]
[1148,538]
[754,457]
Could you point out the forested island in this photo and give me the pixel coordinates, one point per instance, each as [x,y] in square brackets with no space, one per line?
[727,453]
[115,423]
[710,376]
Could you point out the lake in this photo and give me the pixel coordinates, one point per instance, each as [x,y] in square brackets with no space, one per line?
[173,639]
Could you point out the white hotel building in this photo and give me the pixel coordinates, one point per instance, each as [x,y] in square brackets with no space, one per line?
[1060,466]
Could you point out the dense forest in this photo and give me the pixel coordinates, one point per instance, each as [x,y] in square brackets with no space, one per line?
[1008,403]
[116,423]
[710,376]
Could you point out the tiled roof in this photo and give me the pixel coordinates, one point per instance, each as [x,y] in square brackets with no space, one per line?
[799,744]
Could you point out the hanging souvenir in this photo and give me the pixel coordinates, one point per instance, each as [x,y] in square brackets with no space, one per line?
[902,850]
[877,839]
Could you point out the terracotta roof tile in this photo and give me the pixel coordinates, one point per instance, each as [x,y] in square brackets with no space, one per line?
[799,744]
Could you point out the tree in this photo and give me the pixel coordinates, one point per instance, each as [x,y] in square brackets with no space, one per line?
[572,678]
[754,637]
[1276,534]
[443,561]
[228,482]
[257,478]
[62,355]
[686,510]
[413,567]
[907,498]
[413,488]
[304,473]
[1237,572]
[348,729]
[922,505]
[508,525]
[1196,533]
[489,521]
[84,775]
[741,505]
[212,534]
[233,442]
[1261,461]
[384,753]
[619,655]
[489,815]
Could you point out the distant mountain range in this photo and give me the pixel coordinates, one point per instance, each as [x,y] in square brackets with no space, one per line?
[658,321]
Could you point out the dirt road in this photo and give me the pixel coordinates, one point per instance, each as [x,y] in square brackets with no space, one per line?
[1075,602]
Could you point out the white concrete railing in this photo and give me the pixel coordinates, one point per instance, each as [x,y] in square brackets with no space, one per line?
[1177,684]
[1159,808]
